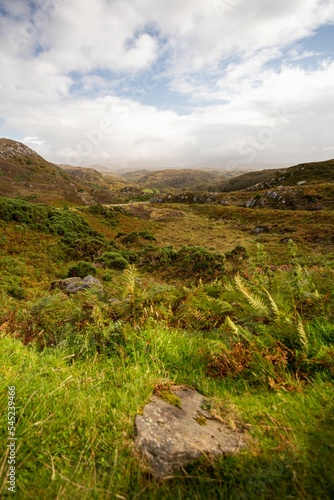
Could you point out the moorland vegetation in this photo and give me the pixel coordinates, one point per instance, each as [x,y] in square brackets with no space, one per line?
[236,302]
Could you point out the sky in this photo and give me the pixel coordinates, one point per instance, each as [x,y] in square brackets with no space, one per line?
[156,83]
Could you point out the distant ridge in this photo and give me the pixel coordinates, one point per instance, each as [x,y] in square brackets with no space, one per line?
[182,178]
[313,172]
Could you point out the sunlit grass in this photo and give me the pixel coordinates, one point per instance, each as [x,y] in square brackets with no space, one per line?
[90,362]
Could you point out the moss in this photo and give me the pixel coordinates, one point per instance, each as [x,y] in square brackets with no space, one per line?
[171,398]
[201,420]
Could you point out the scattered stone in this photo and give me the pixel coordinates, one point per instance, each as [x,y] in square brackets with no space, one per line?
[273,195]
[172,437]
[251,203]
[262,229]
[300,183]
[115,301]
[75,284]
[170,214]
[139,211]
[157,199]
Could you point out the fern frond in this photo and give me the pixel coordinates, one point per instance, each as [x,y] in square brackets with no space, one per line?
[216,346]
[129,279]
[238,330]
[254,300]
[232,325]
[302,334]
[228,287]
[273,305]
[199,316]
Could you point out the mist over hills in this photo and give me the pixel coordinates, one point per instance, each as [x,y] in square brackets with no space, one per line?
[25,173]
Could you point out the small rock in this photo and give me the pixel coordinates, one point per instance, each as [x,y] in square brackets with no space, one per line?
[251,203]
[73,285]
[262,229]
[171,438]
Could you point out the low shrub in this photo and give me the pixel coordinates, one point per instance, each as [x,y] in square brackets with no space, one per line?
[199,261]
[84,246]
[16,291]
[237,257]
[43,217]
[188,261]
[105,212]
[113,260]
[81,269]
[135,236]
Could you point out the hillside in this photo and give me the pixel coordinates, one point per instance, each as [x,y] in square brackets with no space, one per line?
[101,187]
[177,179]
[235,303]
[310,173]
[308,186]
[94,178]
[25,173]
[228,293]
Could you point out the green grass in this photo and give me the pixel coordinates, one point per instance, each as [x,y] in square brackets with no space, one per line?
[75,424]
[261,346]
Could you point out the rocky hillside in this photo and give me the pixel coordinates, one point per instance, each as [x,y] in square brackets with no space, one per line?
[304,173]
[25,173]
[308,186]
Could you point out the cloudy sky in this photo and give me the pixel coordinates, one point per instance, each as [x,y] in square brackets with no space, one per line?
[169,83]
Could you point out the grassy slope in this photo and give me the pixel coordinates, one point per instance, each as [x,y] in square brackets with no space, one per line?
[76,425]
[77,398]
[95,179]
[24,173]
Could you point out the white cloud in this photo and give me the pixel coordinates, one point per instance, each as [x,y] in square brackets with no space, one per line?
[236,66]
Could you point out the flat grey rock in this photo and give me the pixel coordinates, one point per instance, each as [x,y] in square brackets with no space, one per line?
[73,285]
[171,438]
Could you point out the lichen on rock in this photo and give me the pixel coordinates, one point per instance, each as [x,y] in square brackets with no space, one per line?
[170,437]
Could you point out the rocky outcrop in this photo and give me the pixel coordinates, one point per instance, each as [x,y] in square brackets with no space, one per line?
[171,437]
[73,285]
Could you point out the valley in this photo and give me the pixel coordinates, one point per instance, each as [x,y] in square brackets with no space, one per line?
[206,281]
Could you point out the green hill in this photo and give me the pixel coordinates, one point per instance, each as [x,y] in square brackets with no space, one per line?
[25,173]
[177,179]
[310,173]
[234,302]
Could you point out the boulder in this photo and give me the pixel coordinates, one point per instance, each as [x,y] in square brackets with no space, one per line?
[73,285]
[171,437]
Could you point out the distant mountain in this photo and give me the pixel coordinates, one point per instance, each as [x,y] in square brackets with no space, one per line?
[177,179]
[308,186]
[238,169]
[25,173]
